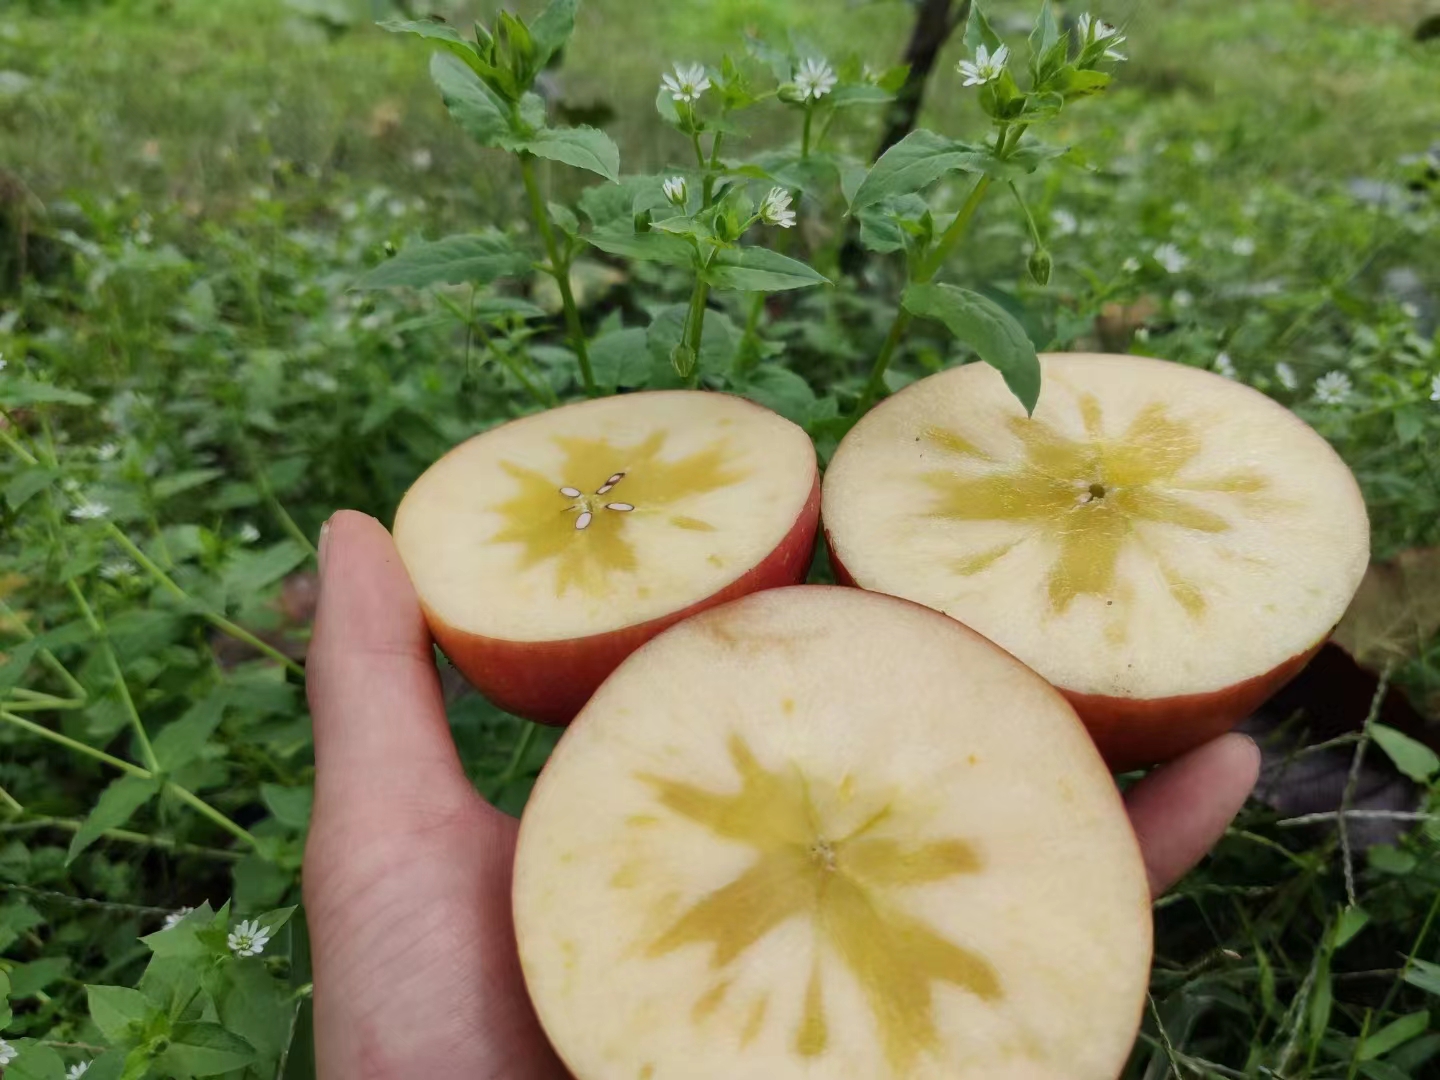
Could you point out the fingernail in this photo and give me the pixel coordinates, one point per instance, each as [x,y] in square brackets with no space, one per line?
[320,547]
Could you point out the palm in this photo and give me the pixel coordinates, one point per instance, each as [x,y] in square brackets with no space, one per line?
[407,872]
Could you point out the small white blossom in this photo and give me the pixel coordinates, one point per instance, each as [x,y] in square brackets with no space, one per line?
[1332,388]
[89,511]
[1225,366]
[1182,298]
[1171,258]
[985,68]
[77,1071]
[1093,30]
[775,210]
[421,159]
[117,569]
[1065,222]
[676,190]
[248,533]
[1131,265]
[1409,310]
[1435,388]
[248,938]
[687,83]
[815,79]
[1202,152]
[8,1053]
[1243,246]
[2,361]
[108,451]
[176,917]
[1286,375]
[1142,333]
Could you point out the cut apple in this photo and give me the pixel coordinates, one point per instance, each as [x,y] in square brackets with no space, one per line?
[1166,546]
[547,550]
[789,839]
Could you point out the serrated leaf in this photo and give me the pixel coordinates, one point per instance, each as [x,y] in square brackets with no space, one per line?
[167,487]
[985,327]
[781,390]
[583,147]
[978,31]
[180,742]
[475,107]
[757,269]
[551,29]
[1411,757]
[201,1048]
[916,162]
[27,980]
[117,804]
[475,259]
[17,662]
[115,1010]
[28,483]
[290,806]
[1394,1034]
[250,571]
[36,1062]
[183,939]
[622,239]
[621,358]
[17,393]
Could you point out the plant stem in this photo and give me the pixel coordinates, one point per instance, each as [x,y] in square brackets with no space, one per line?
[46,656]
[188,797]
[14,444]
[559,270]
[282,515]
[517,758]
[219,621]
[124,836]
[927,270]
[13,803]
[805,132]
[695,325]
[147,752]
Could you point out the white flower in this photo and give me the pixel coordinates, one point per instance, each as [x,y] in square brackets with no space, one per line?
[1243,246]
[1182,298]
[1202,152]
[1435,388]
[1332,388]
[248,533]
[814,80]
[775,210]
[1131,265]
[1409,310]
[1171,258]
[985,68]
[248,938]
[8,1053]
[77,1071]
[2,362]
[89,511]
[1225,366]
[688,82]
[1286,375]
[1093,30]
[117,569]
[676,190]
[1065,222]
[107,452]
[176,917]
[421,159]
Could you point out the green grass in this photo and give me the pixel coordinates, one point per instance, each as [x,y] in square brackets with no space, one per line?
[218,173]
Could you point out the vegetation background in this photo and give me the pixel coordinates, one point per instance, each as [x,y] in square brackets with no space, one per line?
[189,190]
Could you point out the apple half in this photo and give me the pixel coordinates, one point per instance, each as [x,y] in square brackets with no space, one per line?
[1166,546]
[788,840]
[548,549]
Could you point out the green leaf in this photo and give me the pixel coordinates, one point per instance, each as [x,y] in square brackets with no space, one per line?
[916,162]
[859,94]
[183,939]
[108,1066]
[622,239]
[27,980]
[757,269]
[116,805]
[1351,922]
[291,806]
[552,28]
[1045,33]
[782,390]
[1414,759]
[987,328]
[167,487]
[432,29]
[1424,975]
[36,1062]
[17,392]
[978,31]
[621,358]
[28,483]
[17,662]
[200,1048]
[1394,1034]
[180,742]
[474,106]
[258,1008]
[1380,1070]
[474,259]
[250,571]
[583,147]
[117,1011]
[5,1013]
[1322,1002]
[15,919]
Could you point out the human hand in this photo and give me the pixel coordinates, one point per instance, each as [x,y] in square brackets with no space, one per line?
[407,869]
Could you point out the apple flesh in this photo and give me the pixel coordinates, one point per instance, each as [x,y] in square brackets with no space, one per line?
[1166,546]
[547,550]
[789,839]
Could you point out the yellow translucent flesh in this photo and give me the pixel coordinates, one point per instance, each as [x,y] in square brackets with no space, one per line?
[1088,495]
[844,885]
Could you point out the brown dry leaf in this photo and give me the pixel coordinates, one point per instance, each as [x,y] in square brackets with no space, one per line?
[1116,324]
[1396,610]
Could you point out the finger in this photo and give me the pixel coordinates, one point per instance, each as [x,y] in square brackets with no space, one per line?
[381,736]
[1181,810]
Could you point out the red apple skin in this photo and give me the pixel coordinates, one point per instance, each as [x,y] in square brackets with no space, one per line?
[1132,733]
[550,681]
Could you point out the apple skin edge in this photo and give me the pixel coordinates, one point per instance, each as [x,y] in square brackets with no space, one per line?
[1133,733]
[550,681]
